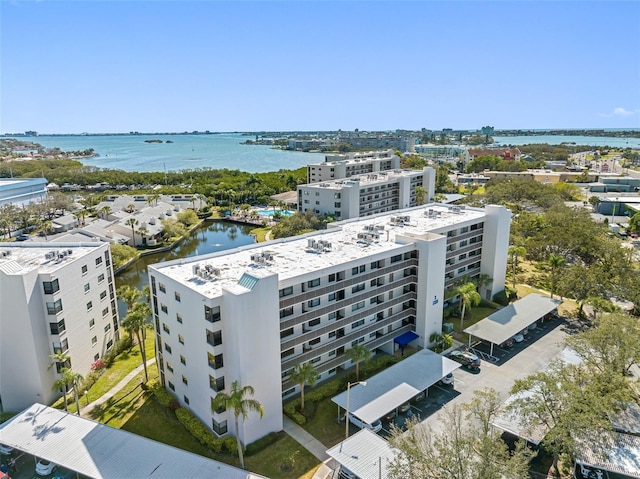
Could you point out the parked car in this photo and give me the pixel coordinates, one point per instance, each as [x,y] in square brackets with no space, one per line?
[466,358]
[390,415]
[375,427]
[419,397]
[404,407]
[346,473]
[23,237]
[507,344]
[44,467]
[6,450]
[518,338]
[447,380]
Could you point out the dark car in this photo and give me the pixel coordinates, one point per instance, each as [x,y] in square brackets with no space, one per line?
[466,358]
[23,237]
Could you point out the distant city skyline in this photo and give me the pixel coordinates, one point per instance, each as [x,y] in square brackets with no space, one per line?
[164,66]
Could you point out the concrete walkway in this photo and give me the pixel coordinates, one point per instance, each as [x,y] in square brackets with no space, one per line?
[305,439]
[114,390]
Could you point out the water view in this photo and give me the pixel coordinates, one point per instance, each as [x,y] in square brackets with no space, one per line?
[212,236]
[612,141]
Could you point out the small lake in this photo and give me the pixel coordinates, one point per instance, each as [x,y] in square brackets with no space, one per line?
[212,236]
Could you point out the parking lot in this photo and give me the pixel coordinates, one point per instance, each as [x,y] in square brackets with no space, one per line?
[25,467]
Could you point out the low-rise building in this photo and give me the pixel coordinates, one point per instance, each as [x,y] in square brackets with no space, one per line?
[21,192]
[367,195]
[254,313]
[55,298]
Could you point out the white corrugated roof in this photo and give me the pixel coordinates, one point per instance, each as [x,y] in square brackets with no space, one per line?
[99,451]
[395,385]
[365,454]
[512,319]
[613,452]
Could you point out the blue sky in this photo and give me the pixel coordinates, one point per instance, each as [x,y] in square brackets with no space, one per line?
[154,66]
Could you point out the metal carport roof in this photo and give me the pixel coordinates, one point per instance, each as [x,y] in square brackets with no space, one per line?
[510,320]
[99,451]
[365,454]
[396,385]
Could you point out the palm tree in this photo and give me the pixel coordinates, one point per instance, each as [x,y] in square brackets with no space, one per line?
[443,341]
[481,281]
[241,405]
[75,379]
[104,212]
[47,227]
[420,194]
[130,295]
[63,362]
[146,292]
[304,374]
[469,297]
[133,223]
[514,253]
[135,322]
[555,263]
[80,215]
[358,354]
[142,231]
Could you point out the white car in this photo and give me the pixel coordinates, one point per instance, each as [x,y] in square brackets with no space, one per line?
[44,467]
[5,449]
[375,427]
[518,338]
[447,380]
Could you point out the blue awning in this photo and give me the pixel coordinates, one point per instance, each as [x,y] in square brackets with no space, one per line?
[406,338]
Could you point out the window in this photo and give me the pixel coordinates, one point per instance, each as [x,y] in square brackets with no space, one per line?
[105,311]
[109,344]
[357,288]
[92,323]
[99,261]
[51,287]
[181,338]
[87,287]
[169,366]
[396,258]
[314,341]
[185,380]
[216,384]
[171,386]
[215,361]
[167,348]
[286,332]
[212,314]
[332,334]
[163,307]
[162,287]
[100,277]
[84,269]
[214,339]
[165,328]
[315,360]
[353,343]
[313,283]
[288,352]
[107,327]
[332,296]
[179,318]
[183,360]
[94,341]
[177,296]
[220,428]
[314,322]
[357,306]
[96,357]
[357,324]
[286,291]
[186,399]
[57,328]
[89,305]
[286,312]
[332,277]
[103,294]
[312,303]
[358,269]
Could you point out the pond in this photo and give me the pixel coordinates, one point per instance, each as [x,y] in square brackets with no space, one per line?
[212,236]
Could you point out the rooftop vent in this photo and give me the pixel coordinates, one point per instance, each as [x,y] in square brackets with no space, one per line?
[262,258]
[4,254]
[206,272]
[318,246]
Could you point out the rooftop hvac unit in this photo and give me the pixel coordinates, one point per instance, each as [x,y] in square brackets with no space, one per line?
[69,251]
[49,255]
[196,269]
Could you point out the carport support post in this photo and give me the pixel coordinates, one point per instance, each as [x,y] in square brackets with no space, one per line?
[491,353]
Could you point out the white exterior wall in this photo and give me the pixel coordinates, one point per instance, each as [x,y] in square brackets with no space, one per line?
[26,341]
[21,192]
[495,245]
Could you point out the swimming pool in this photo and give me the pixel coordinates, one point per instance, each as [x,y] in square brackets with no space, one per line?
[271,212]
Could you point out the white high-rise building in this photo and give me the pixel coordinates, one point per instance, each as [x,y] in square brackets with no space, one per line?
[351,164]
[54,297]
[253,313]
[367,195]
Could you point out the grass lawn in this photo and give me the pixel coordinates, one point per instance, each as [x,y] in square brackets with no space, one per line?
[260,234]
[323,425]
[137,411]
[124,363]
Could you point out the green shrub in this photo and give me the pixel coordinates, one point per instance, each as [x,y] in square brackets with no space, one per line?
[164,397]
[291,410]
[501,298]
[489,304]
[203,434]
[262,443]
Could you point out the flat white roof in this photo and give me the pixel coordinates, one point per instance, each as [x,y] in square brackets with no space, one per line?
[395,385]
[292,257]
[368,179]
[363,454]
[99,451]
[26,256]
[510,320]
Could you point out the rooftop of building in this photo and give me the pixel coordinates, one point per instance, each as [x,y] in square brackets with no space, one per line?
[12,182]
[46,257]
[359,157]
[370,179]
[292,257]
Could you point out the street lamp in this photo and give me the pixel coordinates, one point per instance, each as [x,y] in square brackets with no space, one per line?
[346,414]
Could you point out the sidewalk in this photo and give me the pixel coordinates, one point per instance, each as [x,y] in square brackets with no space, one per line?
[114,390]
